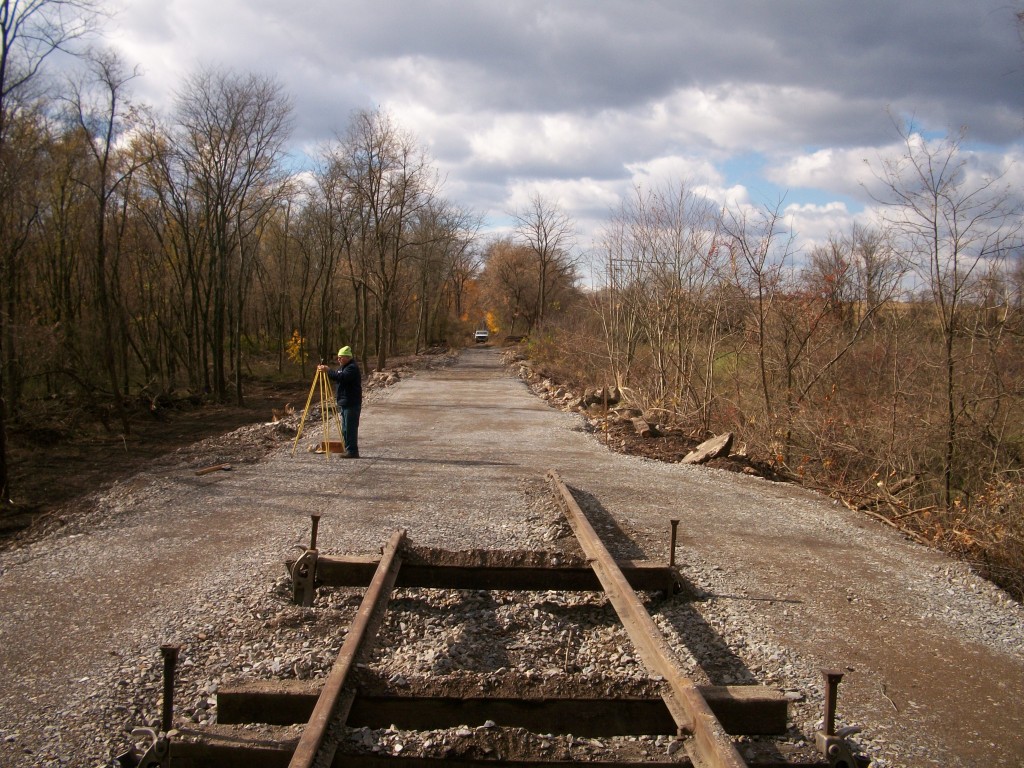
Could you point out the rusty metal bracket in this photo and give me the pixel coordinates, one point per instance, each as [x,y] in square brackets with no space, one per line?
[831,743]
[839,753]
[303,571]
[304,578]
[158,753]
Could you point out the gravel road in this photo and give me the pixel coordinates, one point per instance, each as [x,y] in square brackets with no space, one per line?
[789,583]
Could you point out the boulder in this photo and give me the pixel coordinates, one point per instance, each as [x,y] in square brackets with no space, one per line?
[643,428]
[626,414]
[710,449]
[602,396]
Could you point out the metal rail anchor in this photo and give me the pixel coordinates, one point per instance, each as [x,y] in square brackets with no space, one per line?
[304,571]
[673,582]
[833,744]
[158,753]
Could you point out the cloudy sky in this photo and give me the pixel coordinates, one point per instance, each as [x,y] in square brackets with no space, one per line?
[755,101]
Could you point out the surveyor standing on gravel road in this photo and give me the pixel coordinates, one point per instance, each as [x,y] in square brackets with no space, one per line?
[350,398]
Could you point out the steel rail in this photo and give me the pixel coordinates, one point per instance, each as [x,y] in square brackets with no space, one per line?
[688,707]
[333,701]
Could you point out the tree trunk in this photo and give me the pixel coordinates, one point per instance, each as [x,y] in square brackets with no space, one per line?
[106,319]
[949,458]
[5,488]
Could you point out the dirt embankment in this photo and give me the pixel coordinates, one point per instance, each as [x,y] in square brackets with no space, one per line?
[52,464]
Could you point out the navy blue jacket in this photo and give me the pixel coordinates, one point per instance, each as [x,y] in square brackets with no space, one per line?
[349,383]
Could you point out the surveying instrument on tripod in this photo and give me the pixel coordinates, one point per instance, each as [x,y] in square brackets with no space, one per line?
[329,414]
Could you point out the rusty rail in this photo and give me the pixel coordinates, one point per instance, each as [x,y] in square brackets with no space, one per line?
[334,702]
[688,707]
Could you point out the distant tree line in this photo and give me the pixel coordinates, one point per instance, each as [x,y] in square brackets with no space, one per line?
[885,365]
[913,326]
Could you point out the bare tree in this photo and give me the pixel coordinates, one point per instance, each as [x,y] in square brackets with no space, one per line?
[466,267]
[99,111]
[830,276]
[760,250]
[231,135]
[951,220]
[446,234]
[662,265]
[850,279]
[550,234]
[168,205]
[614,304]
[30,32]
[326,242]
[389,182]
[509,283]
[879,271]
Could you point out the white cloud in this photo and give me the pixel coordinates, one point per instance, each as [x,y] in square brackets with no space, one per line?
[815,224]
[697,170]
[832,170]
[583,100]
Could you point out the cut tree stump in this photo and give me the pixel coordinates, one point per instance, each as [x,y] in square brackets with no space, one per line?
[710,449]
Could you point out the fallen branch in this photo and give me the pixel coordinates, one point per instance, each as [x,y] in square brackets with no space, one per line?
[911,512]
[882,687]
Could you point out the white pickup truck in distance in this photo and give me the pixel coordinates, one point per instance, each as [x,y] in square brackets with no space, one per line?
[481,336]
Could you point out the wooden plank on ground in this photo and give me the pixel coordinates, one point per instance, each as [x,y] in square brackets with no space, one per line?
[688,707]
[214,468]
[246,751]
[356,571]
[228,746]
[742,709]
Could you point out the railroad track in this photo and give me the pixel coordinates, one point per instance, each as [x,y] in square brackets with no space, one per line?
[300,725]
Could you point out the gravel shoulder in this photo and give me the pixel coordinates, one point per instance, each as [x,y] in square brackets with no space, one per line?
[789,581]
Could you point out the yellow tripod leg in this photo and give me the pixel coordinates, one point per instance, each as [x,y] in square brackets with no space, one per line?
[305,413]
[325,398]
[337,421]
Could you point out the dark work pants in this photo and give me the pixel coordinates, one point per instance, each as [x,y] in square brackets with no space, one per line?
[350,427]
